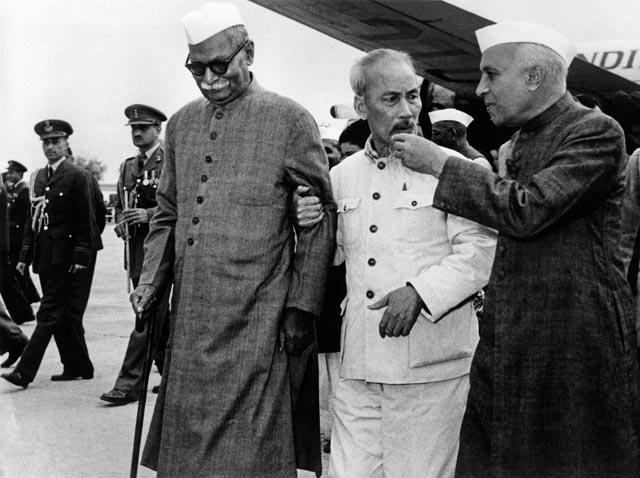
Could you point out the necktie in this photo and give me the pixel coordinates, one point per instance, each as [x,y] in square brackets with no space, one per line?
[141,158]
[49,172]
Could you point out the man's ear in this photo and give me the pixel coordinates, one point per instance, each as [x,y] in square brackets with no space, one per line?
[534,77]
[360,107]
[249,50]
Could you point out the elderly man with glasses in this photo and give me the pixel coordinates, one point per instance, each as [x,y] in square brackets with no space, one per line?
[246,284]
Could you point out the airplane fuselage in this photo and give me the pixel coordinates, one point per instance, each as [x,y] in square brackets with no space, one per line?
[621,58]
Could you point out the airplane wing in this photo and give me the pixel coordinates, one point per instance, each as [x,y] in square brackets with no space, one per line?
[438,35]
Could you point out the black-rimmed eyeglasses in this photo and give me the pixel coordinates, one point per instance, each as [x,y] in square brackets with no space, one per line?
[219,67]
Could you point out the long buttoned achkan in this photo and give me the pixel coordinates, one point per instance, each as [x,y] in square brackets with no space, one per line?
[391,235]
[222,226]
[554,381]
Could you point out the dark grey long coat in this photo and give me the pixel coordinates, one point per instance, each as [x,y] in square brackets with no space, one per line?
[554,382]
[222,224]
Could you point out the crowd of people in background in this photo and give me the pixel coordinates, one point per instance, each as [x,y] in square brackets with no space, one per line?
[472,312]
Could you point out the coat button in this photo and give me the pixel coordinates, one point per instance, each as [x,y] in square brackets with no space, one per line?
[190,241]
[370,294]
[414,203]
[376,196]
[204,178]
[208,158]
[199,199]
[373,228]
[219,114]
[213,135]
[47,188]
[195,220]
[501,275]
[371,262]
[502,250]
[381,165]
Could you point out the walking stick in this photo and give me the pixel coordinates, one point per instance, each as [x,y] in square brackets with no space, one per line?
[127,245]
[148,358]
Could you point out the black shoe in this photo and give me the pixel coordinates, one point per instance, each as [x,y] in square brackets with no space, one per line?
[17,379]
[155,389]
[14,355]
[65,377]
[117,397]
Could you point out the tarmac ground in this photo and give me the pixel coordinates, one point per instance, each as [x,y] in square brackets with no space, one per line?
[63,429]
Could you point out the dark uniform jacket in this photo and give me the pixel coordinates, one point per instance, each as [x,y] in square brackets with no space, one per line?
[141,183]
[19,204]
[66,230]
[554,380]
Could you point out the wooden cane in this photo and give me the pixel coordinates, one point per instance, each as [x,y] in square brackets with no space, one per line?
[142,400]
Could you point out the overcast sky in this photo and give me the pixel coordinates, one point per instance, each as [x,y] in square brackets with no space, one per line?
[84,61]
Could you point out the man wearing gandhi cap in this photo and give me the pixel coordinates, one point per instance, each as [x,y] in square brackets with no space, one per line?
[244,297]
[449,129]
[135,206]
[555,381]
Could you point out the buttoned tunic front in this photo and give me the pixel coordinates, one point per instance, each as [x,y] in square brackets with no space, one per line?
[141,182]
[390,234]
[554,381]
[222,225]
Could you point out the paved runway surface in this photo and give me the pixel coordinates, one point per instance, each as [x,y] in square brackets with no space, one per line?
[62,429]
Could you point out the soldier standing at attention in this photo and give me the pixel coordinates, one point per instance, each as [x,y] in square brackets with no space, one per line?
[138,181]
[65,238]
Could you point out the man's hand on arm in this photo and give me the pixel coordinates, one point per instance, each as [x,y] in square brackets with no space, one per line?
[306,210]
[418,153]
[402,309]
[296,331]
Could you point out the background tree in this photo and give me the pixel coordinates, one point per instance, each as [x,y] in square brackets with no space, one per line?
[93,165]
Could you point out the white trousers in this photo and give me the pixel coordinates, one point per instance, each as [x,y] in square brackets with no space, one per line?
[396,431]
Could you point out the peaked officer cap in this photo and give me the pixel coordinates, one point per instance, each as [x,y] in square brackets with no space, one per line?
[53,128]
[143,114]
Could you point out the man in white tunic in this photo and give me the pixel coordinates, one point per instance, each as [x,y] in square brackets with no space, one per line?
[409,330]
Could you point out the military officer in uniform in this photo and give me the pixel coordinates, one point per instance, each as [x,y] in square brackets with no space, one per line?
[13,295]
[19,204]
[12,339]
[65,238]
[135,205]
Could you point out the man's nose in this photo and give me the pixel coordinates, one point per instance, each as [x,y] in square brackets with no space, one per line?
[404,108]
[210,76]
[482,89]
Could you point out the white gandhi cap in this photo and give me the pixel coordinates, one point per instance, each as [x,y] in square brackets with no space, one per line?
[209,19]
[520,32]
[450,114]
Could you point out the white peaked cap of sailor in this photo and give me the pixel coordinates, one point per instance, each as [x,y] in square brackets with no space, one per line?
[521,32]
[209,19]
[450,114]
